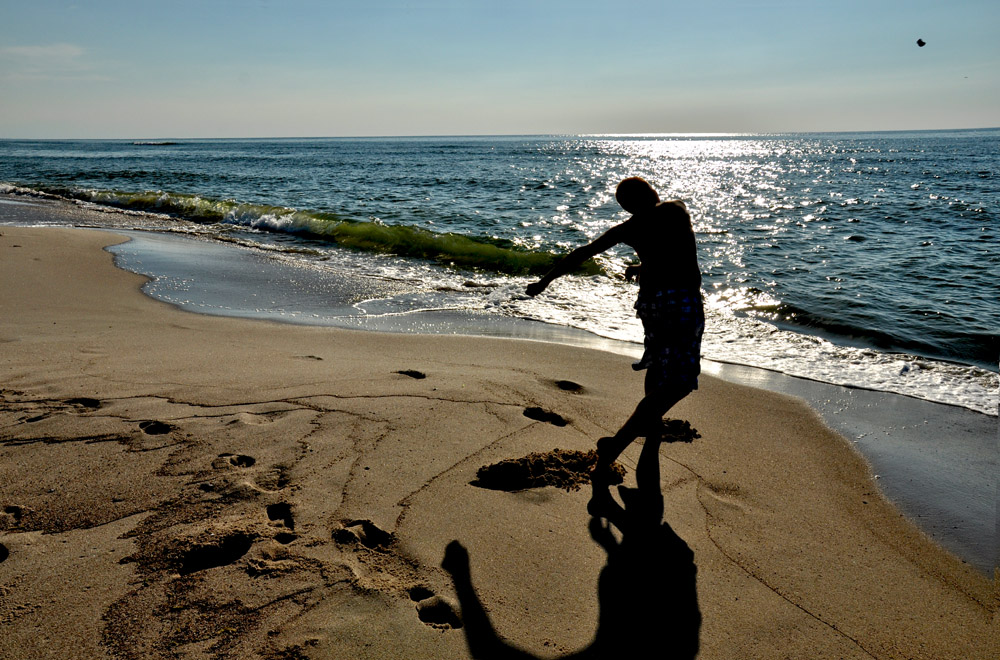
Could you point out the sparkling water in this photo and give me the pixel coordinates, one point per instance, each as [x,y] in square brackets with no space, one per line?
[869,260]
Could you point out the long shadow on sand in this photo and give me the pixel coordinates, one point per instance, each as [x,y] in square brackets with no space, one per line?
[647,589]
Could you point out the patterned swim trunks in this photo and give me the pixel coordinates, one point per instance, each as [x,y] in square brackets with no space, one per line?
[674,321]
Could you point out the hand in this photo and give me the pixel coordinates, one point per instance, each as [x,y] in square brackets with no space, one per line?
[632,272]
[535,288]
[456,559]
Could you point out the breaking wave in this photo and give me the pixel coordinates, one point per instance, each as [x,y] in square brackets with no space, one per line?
[447,249]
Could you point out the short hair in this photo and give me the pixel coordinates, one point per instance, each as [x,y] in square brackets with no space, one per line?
[634,194]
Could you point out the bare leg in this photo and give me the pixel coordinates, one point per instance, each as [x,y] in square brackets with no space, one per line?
[645,421]
[647,470]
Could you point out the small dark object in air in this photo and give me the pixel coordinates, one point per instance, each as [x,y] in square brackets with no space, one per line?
[921,43]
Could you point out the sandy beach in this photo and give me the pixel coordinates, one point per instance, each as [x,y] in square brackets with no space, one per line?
[175,485]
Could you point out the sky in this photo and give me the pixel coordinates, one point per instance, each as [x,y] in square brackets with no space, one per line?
[308,68]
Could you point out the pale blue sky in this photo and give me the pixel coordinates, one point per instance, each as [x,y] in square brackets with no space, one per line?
[260,68]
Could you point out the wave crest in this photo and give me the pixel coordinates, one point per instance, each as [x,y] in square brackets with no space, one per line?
[447,249]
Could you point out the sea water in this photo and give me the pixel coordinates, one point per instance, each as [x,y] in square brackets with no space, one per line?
[870,259]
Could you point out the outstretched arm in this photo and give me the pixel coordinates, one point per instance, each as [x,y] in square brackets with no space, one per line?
[575,259]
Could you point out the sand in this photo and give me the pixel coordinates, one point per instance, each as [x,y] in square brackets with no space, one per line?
[185,486]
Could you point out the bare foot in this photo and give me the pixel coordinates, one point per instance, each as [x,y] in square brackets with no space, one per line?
[600,471]
[599,500]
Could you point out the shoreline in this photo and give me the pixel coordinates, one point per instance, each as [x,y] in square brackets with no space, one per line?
[944,487]
[948,493]
[200,273]
[765,497]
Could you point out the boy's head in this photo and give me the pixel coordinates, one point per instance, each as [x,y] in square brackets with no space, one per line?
[634,194]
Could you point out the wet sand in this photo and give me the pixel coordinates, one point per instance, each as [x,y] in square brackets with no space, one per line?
[179,485]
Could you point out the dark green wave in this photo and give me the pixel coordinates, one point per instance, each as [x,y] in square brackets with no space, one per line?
[448,249]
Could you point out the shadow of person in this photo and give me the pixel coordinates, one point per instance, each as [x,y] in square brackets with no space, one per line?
[647,590]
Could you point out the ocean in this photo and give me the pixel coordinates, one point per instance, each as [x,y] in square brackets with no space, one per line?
[870,260]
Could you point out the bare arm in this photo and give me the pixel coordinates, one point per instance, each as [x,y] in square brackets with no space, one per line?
[575,259]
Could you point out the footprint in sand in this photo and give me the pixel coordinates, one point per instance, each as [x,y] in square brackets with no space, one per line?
[547,416]
[281,512]
[569,386]
[364,532]
[225,551]
[284,538]
[274,479]
[154,427]
[84,402]
[243,461]
[438,613]
[434,610]
[239,460]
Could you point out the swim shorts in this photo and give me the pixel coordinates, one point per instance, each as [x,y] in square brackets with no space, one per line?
[674,321]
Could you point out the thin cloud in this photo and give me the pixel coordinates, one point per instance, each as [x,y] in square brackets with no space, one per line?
[53,52]
[46,62]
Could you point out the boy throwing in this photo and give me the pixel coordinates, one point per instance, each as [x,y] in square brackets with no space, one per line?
[669,305]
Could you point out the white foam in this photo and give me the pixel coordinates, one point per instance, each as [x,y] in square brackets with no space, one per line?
[603,306]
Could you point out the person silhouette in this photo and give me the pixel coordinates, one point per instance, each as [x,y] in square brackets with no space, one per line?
[669,305]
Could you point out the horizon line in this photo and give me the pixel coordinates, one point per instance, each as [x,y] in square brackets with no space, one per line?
[685,134]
